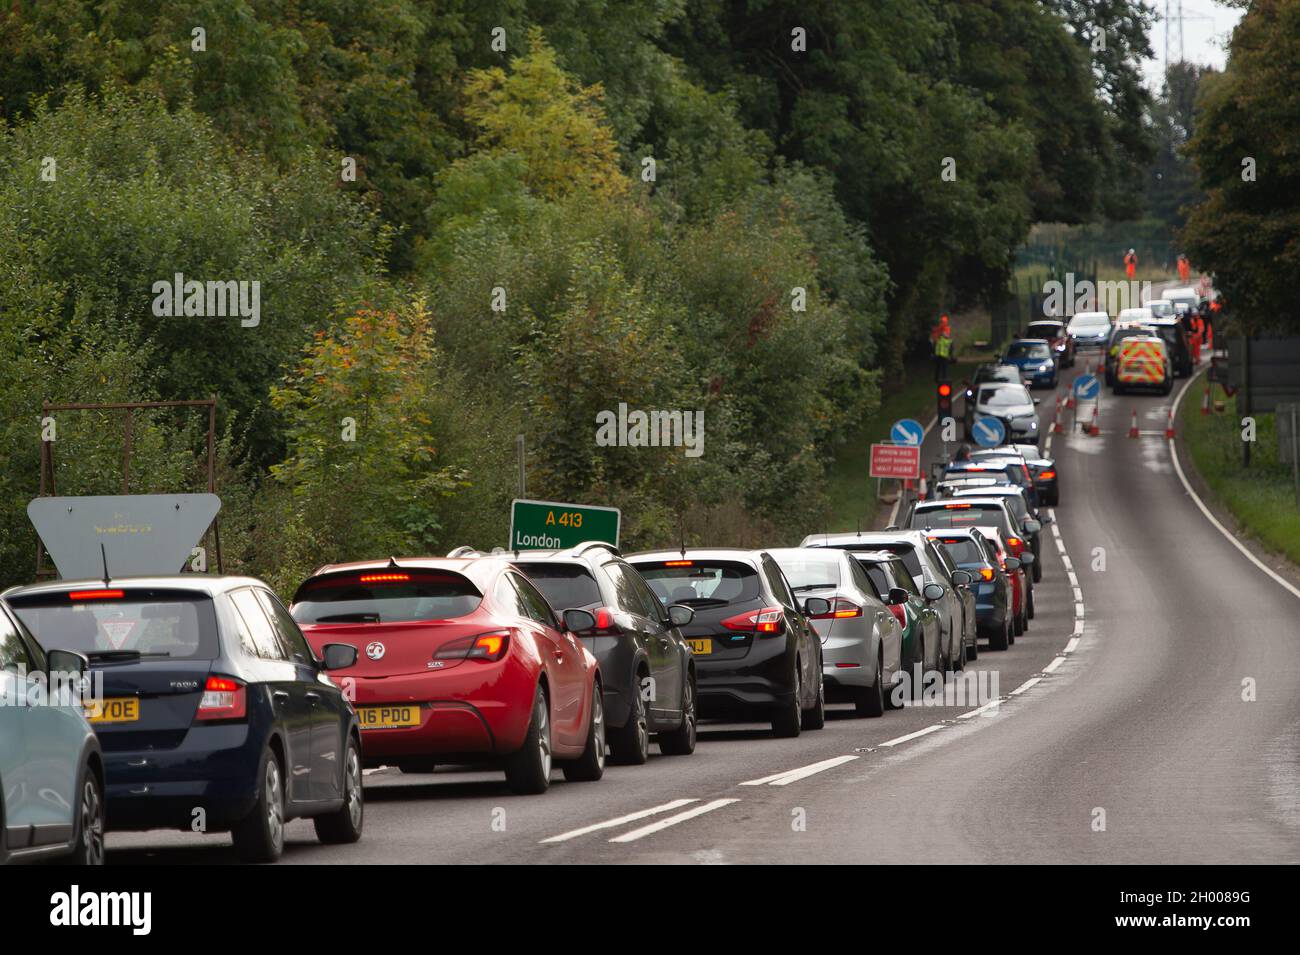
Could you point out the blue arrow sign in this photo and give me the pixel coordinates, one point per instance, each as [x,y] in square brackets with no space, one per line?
[906,431]
[988,432]
[1086,387]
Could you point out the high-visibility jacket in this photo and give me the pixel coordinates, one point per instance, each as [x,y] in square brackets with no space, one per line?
[943,346]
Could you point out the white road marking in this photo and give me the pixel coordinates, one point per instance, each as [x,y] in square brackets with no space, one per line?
[990,705]
[1074,579]
[911,736]
[1173,453]
[662,824]
[614,823]
[1072,645]
[1024,686]
[1078,629]
[1065,559]
[1078,609]
[803,772]
[1078,596]
[1051,667]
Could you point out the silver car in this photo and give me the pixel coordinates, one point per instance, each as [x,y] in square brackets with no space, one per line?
[862,641]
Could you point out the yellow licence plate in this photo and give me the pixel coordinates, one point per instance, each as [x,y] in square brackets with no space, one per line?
[701,646]
[124,709]
[388,717]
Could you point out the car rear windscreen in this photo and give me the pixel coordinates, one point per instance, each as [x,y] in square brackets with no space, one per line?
[701,583]
[181,625]
[907,553]
[958,515]
[564,585]
[809,573]
[385,596]
[962,550]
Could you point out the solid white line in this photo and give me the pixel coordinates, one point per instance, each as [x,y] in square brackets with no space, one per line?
[990,705]
[662,824]
[1051,667]
[1072,645]
[1024,686]
[911,736]
[798,774]
[1173,453]
[613,823]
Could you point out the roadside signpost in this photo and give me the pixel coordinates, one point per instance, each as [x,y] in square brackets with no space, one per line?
[1086,388]
[551,525]
[988,432]
[907,431]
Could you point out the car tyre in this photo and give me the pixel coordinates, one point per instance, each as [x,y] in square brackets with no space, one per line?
[88,828]
[814,718]
[528,770]
[787,720]
[590,766]
[973,651]
[681,741]
[629,744]
[1029,606]
[870,701]
[343,826]
[1038,573]
[1002,640]
[259,836]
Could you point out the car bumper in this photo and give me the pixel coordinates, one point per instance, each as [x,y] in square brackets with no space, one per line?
[848,664]
[474,709]
[762,679]
[215,770]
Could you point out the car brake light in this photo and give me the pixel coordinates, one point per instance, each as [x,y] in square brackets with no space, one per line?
[1014,542]
[384,578]
[490,646]
[95,595]
[952,507]
[986,573]
[1047,476]
[840,607]
[224,698]
[679,563]
[769,621]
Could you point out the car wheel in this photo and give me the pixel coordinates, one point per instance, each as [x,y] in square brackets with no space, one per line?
[815,718]
[590,766]
[1029,607]
[973,651]
[870,701]
[681,741]
[88,827]
[344,824]
[917,673]
[1038,574]
[629,744]
[528,771]
[1002,640]
[786,721]
[259,836]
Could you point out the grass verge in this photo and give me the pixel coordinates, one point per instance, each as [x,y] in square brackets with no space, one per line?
[1261,497]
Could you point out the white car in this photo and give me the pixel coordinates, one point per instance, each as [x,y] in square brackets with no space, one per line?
[1135,316]
[1185,298]
[1089,329]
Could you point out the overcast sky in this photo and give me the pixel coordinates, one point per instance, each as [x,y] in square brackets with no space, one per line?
[1206,28]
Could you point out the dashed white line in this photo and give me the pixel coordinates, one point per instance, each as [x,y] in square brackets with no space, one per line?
[662,824]
[1078,596]
[1051,667]
[990,705]
[803,772]
[1026,685]
[911,736]
[621,820]
[1072,644]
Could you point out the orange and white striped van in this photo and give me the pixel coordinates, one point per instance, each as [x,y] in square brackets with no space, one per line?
[1143,362]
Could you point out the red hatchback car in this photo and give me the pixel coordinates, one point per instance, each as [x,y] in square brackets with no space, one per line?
[460,660]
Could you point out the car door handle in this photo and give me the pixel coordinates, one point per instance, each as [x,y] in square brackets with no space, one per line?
[280,696]
[314,697]
[664,643]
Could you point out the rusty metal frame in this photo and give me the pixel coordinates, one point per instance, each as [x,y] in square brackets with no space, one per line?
[48,488]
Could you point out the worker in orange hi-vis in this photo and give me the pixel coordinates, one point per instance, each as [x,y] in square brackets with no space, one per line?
[1131,264]
[1198,333]
[941,336]
[1184,269]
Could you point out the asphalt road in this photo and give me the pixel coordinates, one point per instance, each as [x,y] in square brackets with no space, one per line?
[1121,734]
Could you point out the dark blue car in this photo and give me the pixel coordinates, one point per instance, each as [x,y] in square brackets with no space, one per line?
[994,604]
[1034,358]
[215,713]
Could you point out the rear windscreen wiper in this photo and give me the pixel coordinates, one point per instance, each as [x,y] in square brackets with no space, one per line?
[122,656]
[350,618]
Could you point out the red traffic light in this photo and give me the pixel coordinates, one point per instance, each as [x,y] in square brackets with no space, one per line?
[945,390]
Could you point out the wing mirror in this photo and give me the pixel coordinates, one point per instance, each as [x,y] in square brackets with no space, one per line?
[1012,563]
[962,578]
[69,671]
[1027,558]
[579,621]
[897,595]
[932,592]
[680,615]
[1032,527]
[816,606]
[339,656]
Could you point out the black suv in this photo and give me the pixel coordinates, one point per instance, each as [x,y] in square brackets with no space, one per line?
[646,664]
[754,647]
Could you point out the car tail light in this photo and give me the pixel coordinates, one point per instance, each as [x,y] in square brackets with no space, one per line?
[769,622]
[1015,542]
[1047,476]
[679,563]
[224,698]
[899,611]
[840,607]
[986,573]
[385,578]
[490,646]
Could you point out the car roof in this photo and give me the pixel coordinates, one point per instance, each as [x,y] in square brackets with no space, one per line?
[696,553]
[1030,341]
[477,568]
[998,490]
[207,584]
[900,536]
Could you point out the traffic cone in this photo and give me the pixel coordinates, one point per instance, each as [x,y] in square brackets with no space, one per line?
[1094,429]
[1133,425]
[1169,425]
[1069,401]
[1205,401]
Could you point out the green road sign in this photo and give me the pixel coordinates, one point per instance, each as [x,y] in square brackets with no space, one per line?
[549,525]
